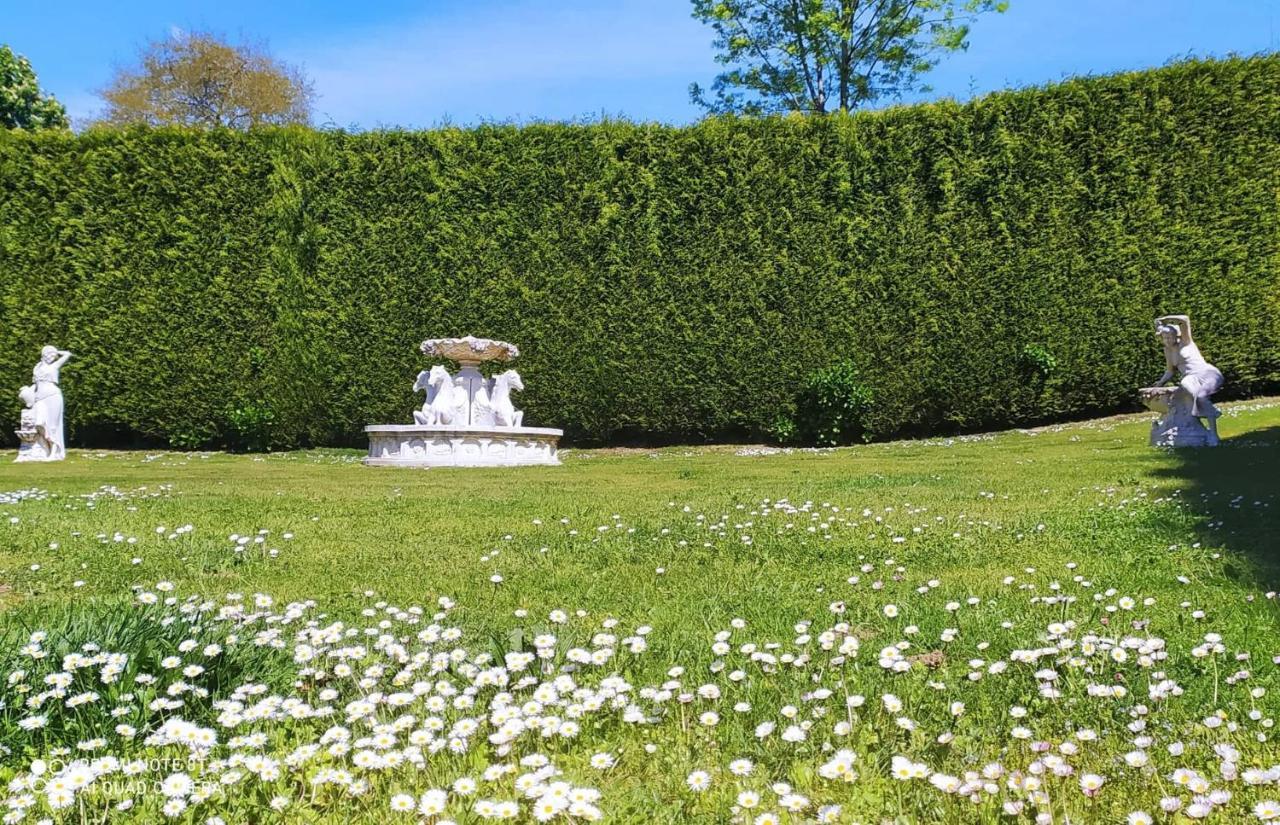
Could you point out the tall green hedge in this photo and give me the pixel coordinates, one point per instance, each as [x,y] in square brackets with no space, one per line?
[663,283]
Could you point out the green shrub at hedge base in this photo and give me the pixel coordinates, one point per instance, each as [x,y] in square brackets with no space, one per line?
[832,408]
[663,283]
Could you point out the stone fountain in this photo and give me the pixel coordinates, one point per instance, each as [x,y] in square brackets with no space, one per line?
[467,420]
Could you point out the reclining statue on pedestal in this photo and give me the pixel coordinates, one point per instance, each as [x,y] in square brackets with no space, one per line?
[1184,404]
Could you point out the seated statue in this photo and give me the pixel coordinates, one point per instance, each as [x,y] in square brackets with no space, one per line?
[1184,404]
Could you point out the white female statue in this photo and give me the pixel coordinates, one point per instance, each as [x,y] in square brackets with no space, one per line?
[48,401]
[1190,401]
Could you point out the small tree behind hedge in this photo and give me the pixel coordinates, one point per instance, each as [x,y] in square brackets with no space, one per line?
[22,104]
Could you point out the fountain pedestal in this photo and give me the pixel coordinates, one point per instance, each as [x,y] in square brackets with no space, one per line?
[476,385]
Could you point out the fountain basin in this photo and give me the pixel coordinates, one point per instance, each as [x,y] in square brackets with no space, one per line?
[469,350]
[421,445]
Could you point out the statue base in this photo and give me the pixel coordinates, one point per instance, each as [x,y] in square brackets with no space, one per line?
[31,447]
[1181,432]
[420,445]
[1176,426]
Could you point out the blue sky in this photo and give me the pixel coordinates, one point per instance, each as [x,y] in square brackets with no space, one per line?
[414,64]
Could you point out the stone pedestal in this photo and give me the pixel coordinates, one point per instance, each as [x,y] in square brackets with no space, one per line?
[416,445]
[31,447]
[1176,426]
[470,379]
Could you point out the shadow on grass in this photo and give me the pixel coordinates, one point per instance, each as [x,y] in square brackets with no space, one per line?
[1235,491]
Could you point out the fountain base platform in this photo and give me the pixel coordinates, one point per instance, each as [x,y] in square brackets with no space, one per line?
[420,445]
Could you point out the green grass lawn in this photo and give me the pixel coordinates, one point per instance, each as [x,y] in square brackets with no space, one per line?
[1070,572]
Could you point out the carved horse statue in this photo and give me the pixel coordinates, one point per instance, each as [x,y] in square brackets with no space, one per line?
[504,414]
[446,402]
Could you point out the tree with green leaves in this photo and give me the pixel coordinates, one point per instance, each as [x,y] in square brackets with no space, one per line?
[22,106]
[198,79]
[818,56]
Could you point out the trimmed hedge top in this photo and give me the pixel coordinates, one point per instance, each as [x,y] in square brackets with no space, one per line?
[663,283]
